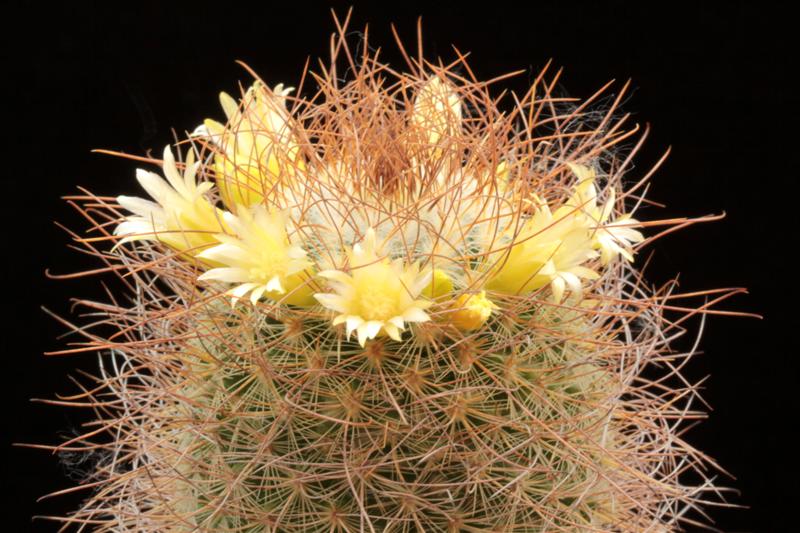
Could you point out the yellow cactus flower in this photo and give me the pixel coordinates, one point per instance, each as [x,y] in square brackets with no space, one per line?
[610,238]
[257,147]
[548,250]
[260,258]
[471,311]
[181,216]
[378,296]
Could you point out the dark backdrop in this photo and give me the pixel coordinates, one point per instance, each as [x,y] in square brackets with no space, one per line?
[712,80]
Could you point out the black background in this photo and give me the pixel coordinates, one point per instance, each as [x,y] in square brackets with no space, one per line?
[711,79]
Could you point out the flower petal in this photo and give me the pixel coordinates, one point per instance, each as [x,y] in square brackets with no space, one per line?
[392,331]
[331,301]
[415,314]
[226,274]
[237,292]
[353,323]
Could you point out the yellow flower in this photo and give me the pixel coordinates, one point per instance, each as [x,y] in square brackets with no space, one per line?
[260,258]
[378,295]
[552,247]
[472,311]
[547,250]
[257,147]
[611,238]
[181,216]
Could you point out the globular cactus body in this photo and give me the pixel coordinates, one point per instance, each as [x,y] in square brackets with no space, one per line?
[388,307]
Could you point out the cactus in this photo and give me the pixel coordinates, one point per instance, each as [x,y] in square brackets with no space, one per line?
[395,305]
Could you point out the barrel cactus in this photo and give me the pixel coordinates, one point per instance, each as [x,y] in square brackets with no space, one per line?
[389,302]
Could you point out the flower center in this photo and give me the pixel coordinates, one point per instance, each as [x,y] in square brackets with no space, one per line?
[270,264]
[377,303]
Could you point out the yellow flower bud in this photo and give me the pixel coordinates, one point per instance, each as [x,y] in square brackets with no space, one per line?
[472,311]
[440,285]
[435,122]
